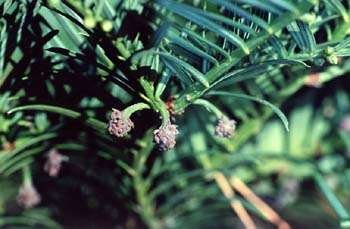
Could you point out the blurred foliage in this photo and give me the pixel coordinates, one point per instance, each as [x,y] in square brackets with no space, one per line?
[270,65]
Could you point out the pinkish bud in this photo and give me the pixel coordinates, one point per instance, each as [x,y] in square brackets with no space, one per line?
[225,127]
[345,123]
[313,80]
[28,197]
[165,137]
[118,124]
[53,162]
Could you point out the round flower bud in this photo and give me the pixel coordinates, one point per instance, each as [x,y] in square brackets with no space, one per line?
[165,137]
[28,197]
[309,18]
[225,127]
[53,163]
[329,50]
[333,59]
[118,124]
[90,22]
[107,26]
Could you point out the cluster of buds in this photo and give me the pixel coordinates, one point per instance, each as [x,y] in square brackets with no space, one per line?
[165,136]
[28,196]
[119,125]
[225,127]
[54,162]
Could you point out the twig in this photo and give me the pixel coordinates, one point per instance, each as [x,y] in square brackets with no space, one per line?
[235,204]
[265,209]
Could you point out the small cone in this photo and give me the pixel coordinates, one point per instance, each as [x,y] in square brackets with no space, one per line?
[165,137]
